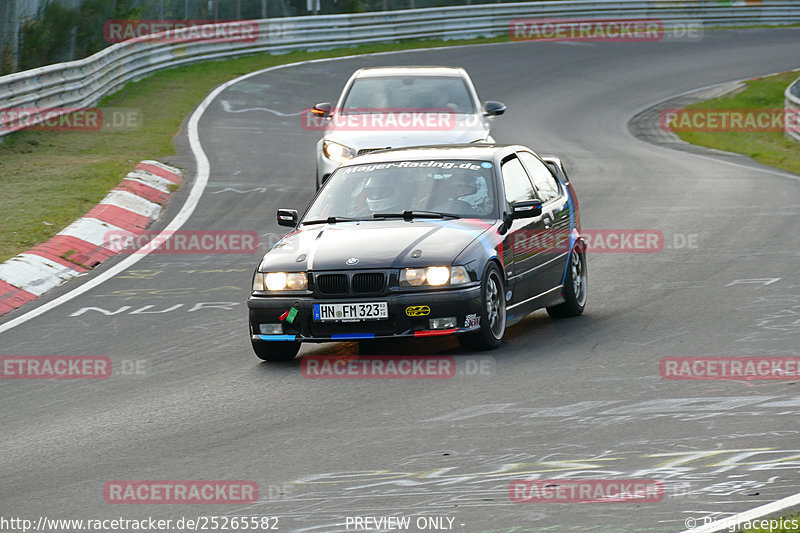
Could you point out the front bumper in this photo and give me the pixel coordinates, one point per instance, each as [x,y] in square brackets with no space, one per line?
[464,304]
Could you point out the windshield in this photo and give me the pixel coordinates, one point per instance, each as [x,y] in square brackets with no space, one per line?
[409,92]
[460,188]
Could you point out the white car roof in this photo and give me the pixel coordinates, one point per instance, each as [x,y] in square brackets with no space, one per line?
[409,71]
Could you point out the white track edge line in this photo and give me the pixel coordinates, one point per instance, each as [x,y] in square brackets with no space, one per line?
[738,520]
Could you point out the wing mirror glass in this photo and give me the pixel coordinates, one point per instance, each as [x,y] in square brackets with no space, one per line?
[287,217]
[492,108]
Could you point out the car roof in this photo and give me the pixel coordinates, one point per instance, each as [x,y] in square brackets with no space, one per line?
[375,72]
[479,151]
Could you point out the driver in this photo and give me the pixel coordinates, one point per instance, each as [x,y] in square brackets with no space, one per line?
[452,194]
[382,193]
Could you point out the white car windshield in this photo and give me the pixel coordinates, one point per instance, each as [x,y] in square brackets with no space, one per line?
[370,95]
[424,188]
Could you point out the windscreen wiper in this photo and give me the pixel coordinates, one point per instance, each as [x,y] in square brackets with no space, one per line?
[331,220]
[415,213]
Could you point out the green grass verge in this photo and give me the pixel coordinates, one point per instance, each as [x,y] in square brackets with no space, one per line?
[49,179]
[775,149]
[789,524]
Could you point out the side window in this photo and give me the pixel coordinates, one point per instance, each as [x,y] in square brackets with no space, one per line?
[545,183]
[517,184]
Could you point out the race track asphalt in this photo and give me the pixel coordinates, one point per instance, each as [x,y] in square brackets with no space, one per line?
[572,398]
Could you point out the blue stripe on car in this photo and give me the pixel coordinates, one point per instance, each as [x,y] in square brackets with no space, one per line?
[352,336]
[572,232]
[277,337]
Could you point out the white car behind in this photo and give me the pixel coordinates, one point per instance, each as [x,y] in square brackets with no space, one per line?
[396,107]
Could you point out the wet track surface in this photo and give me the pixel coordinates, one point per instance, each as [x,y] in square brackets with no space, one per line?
[572,398]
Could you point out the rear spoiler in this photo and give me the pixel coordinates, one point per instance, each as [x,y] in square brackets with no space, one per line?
[556,166]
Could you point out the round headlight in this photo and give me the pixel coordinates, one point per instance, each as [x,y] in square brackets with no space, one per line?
[413,276]
[458,275]
[438,275]
[296,281]
[275,281]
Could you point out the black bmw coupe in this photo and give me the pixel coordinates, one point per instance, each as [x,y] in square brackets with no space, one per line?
[459,240]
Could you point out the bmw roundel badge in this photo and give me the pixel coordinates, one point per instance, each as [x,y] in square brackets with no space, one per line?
[352,261]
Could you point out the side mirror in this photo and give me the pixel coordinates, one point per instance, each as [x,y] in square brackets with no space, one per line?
[527,209]
[287,217]
[323,109]
[492,108]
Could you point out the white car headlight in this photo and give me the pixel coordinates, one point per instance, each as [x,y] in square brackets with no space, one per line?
[338,153]
[280,281]
[434,276]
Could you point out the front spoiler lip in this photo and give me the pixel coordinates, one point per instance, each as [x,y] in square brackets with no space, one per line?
[364,336]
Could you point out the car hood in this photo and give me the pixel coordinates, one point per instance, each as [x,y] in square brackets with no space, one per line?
[465,129]
[376,244]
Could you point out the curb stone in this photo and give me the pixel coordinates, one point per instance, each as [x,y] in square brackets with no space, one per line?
[128,209]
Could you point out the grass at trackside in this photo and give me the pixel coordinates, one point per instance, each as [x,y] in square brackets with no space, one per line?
[790,524]
[775,149]
[49,179]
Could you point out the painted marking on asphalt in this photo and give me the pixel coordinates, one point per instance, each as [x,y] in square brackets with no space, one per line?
[732,522]
[754,281]
[229,109]
[170,292]
[684,408]
[146,309]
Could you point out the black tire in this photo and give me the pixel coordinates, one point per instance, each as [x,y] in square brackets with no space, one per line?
[493,320]
[276,352]
[576,287]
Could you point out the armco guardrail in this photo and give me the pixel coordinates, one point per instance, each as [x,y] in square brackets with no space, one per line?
[84,82]
[792,107]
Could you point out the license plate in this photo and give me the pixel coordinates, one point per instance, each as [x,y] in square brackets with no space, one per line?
[351,312]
